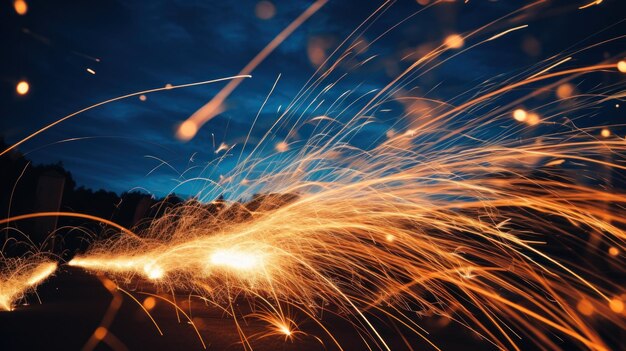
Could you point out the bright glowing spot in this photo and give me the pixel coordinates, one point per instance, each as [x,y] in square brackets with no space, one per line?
[265,10]
[91,71]
[605,132]
[282,146]
[520,115]
[187,130]
[564,91]
[100,333]
[595,2]
[585,307]
[42,272]
[454,41]
[20,6]
[143,97]
[390,238]
[149,303]
[22,87]
[153,271]
[621,66]
[532,119]
[616,305]
[284,329]
[168,86]
[613,251]
[235,259]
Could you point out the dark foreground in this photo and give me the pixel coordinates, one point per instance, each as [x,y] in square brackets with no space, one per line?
[75,302]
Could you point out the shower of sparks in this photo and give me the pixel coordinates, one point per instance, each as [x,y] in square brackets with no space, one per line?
[20,276]
[439,217]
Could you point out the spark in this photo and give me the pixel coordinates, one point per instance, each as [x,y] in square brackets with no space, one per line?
[564,91]
[520,115]
[605,132]
[454,41]
[20,7]
[91,71]
[14,283]
[507,32]
[550,68]
[616,305]
[621,66]
[282,146]
[593,3]
[22,87]
[216,105]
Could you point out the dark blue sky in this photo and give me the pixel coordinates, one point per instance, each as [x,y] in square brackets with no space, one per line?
[147,44]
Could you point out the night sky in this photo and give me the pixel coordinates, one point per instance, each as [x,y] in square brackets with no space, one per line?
[137,45]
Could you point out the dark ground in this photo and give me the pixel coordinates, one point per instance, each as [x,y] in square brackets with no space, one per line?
[74,303]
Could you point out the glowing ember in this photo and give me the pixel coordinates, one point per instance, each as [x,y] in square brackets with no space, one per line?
[20,7]
[22,87]
[616,305]
[520,115]
[187,130]
[282,146]
[454,41]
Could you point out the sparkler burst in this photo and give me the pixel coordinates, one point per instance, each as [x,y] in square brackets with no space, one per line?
[459,210]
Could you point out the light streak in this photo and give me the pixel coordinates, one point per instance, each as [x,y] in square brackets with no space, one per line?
[16,281]
[436,218]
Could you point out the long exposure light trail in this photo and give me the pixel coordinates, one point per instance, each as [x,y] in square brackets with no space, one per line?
[460,210]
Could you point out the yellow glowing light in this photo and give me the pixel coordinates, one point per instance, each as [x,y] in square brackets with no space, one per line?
[585,307]
[153,271]
[100,333]
[22,87]
[520,115]
[390,238]
[143,97]
[454,41]
[616,305]
[533,119]
[15,286]
[605,132]
[187,130]
[621,66]
[613,251]
[235,259]
[149,303]
[91,71]
[265,10]
[282,146]
[564,91]
[284,329]
[20,6]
